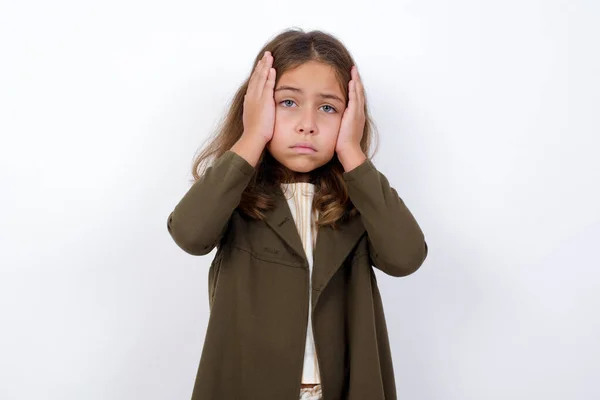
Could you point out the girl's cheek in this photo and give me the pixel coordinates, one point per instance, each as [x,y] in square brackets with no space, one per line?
[279,109]
[333,121]
[283,115]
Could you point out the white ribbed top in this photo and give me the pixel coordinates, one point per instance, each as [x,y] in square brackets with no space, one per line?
[299,196]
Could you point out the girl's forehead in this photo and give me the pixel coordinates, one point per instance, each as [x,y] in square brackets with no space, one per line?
[311,70]
[310,78]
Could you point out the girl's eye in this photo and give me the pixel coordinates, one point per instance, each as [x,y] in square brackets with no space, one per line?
[286,104]
[332,109]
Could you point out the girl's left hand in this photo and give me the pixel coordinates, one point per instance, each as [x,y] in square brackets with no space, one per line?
[353,120]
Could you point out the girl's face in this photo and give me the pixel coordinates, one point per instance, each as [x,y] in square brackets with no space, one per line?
[309,105]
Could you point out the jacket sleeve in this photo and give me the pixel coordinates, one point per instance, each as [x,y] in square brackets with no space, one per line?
[202,216]
[396,243]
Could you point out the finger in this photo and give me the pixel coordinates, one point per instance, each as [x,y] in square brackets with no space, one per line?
[263,75]
[270,84]
[258,79]
[360,90]
[252,80]
[253,77]
[351,94]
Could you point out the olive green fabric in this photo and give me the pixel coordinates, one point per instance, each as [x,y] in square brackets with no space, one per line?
[259,283]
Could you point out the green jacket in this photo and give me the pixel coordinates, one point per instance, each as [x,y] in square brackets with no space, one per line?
[259,283]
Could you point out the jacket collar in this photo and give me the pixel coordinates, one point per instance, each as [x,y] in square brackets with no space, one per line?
[332,246]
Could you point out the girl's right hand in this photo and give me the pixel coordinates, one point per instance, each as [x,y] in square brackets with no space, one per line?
[259,103]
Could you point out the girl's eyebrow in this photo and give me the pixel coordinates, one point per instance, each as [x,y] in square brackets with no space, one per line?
[321,95]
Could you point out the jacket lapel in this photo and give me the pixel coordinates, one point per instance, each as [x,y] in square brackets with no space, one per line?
[280,219]
[332,246]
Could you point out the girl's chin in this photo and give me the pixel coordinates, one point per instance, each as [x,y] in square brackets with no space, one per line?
[299,163]
[300,168]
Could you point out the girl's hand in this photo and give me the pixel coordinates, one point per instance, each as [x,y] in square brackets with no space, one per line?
[259,104]
[353,120]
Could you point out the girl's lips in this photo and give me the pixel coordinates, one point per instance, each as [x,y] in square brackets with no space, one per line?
[303,149]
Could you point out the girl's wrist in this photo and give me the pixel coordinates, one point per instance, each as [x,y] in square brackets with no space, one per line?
[351,158]
[250,148]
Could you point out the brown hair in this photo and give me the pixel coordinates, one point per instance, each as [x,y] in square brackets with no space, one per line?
[290,48]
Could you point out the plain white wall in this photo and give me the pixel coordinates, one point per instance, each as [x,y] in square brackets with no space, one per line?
[488,117]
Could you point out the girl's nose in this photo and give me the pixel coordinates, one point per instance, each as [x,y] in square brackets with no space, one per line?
[307,123]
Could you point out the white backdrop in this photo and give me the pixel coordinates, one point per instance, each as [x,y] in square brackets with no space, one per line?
[488,118]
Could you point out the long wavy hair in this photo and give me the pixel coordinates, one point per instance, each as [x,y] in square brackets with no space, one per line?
[290,49]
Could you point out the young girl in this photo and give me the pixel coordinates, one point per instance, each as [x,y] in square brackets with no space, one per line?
[299,216]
